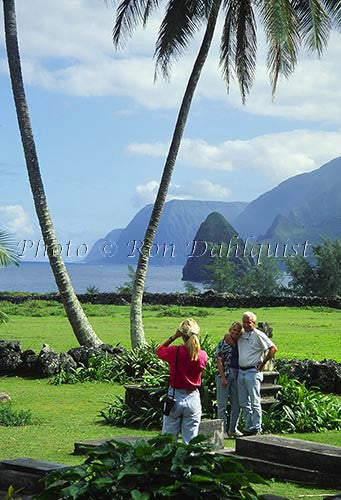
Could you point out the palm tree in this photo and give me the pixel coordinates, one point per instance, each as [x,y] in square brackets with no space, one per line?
[74,311]
[288,24]
[8,256]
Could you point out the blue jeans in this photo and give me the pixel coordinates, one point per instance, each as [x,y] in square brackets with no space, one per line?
[249,398]
[225,393]
[185,415]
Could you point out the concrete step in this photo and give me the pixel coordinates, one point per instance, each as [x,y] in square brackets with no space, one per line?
[293,452]
[25,473]
[270,377]
[269,469]
[267,402]
[269,390]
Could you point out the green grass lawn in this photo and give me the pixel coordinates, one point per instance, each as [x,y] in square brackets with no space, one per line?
[312,332]
[68,413]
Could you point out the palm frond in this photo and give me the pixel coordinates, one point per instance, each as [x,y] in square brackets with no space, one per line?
[228,42]
[238,47]
[315,24]
[8,252]
[333,9]
[129,14]
[282,26]
[246,47]
[182,20]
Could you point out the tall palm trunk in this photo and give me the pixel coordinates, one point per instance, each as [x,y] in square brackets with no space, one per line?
[79,322]
[136,324]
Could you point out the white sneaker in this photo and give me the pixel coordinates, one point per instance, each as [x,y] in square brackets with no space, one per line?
[235,434]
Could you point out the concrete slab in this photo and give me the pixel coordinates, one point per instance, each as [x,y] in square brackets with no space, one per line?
[293,452]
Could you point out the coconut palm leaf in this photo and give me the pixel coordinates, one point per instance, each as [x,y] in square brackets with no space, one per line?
[8,252]
[282,27]
[315,24]
[182,20]
[333,9]
[130,13]
[238,48]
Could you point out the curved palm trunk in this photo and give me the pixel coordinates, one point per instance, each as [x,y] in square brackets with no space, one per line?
[79,322]
[136,324]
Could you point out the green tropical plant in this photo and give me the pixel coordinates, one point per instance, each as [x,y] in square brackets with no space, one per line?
[127,286]
[152,469]
[130,366]
[300,409]
[11,493]
[12,418]
[288,25]
[78,320]
[8,251]
[262,279]
[92,289]
[8,256]
[321,277]
[190,288]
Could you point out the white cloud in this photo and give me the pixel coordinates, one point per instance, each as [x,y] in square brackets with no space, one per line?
[14,219]
[202,189]
[275,156]
[145,193]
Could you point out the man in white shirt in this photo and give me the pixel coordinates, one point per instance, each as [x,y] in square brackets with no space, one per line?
[254,349]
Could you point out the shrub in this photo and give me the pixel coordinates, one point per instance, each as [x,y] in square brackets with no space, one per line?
[152,469]
[11,418]
[130,366]
[144,416]
[300,409]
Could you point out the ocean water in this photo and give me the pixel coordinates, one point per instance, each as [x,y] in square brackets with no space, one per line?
[37,277]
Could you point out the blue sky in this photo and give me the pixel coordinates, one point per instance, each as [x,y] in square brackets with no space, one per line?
[102,126]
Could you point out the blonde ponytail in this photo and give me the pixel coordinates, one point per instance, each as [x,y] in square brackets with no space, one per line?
[190,330]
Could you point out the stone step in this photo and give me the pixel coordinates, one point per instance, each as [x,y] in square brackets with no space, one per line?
[269,389]
[269,469]
[270,377]
[267,402]
[25,473]
[293,452]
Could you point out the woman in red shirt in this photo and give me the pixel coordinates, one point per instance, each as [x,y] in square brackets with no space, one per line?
[184,381]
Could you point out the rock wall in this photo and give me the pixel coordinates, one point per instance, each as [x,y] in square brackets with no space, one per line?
[13,360]
[206,299]
[325,374]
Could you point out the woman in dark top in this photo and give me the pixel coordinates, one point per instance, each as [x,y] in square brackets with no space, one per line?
[185,415]
[226,355]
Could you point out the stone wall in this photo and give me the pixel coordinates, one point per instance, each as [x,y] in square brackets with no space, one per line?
[206,299]
[325,374]
[13,360]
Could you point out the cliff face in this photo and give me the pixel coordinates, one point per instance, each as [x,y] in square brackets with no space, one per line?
[215,239]
[306,200]
[178,225]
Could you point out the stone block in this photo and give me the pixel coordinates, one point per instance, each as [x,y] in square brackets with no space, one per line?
[214,430]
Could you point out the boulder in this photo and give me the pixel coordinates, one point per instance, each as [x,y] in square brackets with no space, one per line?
[9,360]
[66,362]
[4,398]
[29,363]
[48,361]
[13,345]
[82,354]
